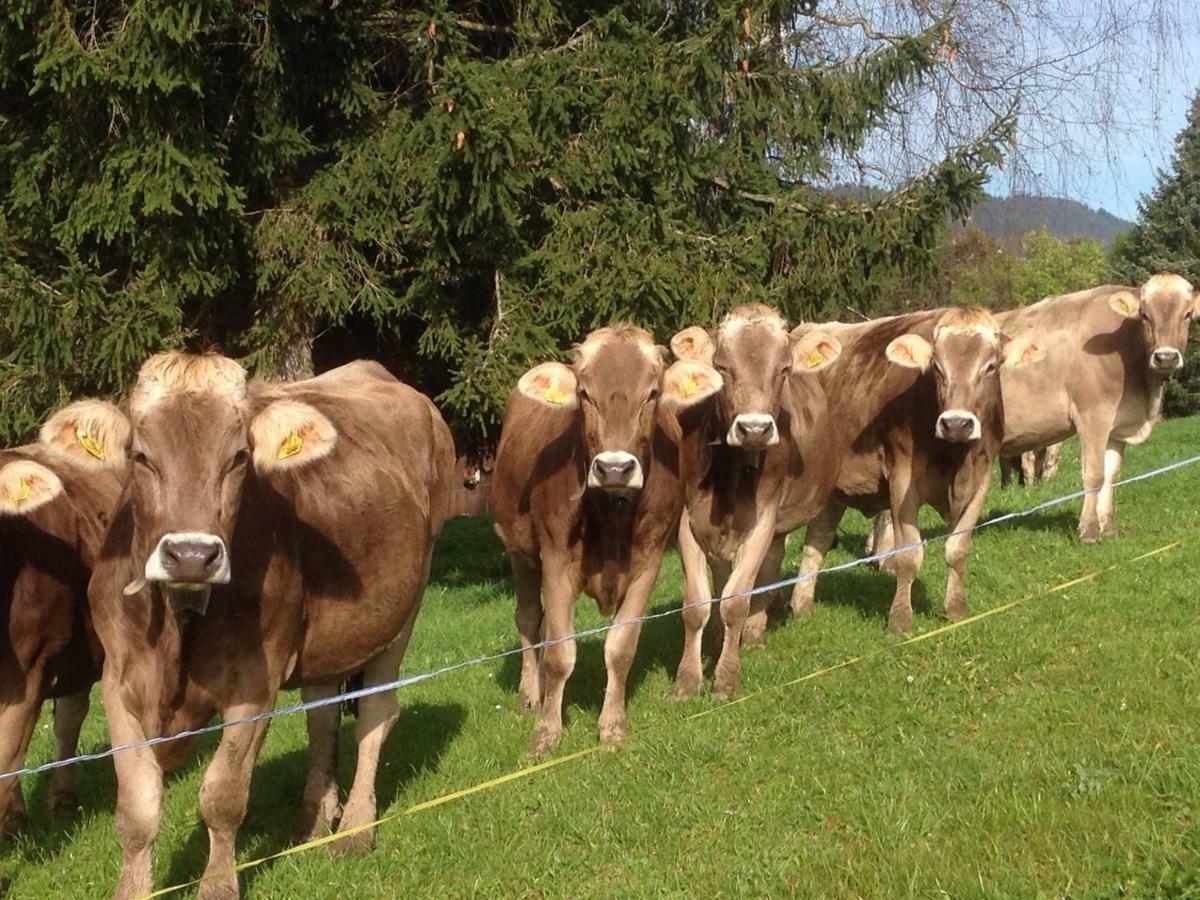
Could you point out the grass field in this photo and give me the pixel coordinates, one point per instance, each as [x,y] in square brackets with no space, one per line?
[1052,749]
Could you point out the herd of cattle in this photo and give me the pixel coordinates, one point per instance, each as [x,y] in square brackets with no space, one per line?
[211,540]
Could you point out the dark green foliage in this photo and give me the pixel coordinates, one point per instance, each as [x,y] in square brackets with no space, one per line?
[1167,239]
[458,188]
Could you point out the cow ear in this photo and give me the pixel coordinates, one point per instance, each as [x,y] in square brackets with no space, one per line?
[693,343]
[26,485]
[911,351]
[92,433]
[1021,351]
[814,351]
[551,384]
[1123,303]
[288,434]
[688,382]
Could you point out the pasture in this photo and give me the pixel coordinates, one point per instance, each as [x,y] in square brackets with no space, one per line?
[1052,749]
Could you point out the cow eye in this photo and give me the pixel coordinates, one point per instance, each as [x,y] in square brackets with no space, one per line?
[653,395]
[139,458]
[241,457]
[937,370]
[989,368]
[785,369]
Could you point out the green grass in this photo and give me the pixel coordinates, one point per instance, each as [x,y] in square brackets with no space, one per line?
[1050,750]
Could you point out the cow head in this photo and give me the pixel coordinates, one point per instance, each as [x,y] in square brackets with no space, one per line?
[81,433]
[754,354]
[191,437]
[614,383]
[1165,309]
[966,355]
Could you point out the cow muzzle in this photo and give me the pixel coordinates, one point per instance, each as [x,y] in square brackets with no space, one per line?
[958,426]
[615,470]
[1165,360]
[753,431]
[189,558]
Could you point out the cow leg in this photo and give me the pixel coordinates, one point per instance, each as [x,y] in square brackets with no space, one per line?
[958,548]
[1050,457]
[620,646]
[1092,440]
[818,539]
[735,604]
[1006,470]
[558,656]
[223,795]
[882,540]
[906,563]
[528,582]
[1114,455]
[139,791]
[697,606]
[1029,467]
[754,633]
[69,713]
[16,727]
[319,806]
[377,713]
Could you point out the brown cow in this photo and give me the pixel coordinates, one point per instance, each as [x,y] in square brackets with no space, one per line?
[269,535]
[586,496]
[53,517]
[920,421]
[1031,466]
[756,464]
[1109,353]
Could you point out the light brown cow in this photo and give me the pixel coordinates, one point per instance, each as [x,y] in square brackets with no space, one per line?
[756,464]
[53,517]
[1109,353]
[586,497]
[269,535]
[1031,466]
[920,421]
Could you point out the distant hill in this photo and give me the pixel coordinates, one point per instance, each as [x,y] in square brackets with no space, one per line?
[1007,218]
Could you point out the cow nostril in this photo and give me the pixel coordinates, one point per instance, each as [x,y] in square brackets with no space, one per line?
[214,556]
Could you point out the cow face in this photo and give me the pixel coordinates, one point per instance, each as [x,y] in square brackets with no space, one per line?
[1165,310]
[754,355]
[192,441]
[614,385]
[965,356]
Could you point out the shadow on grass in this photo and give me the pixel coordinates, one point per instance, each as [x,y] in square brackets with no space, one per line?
[1064,519]
[468,554]
[46,836]
[421,736]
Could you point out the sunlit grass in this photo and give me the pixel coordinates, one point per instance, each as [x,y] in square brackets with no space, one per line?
[1051,749]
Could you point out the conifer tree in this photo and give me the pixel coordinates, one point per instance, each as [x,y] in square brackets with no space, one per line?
[1166,238]
[458,188]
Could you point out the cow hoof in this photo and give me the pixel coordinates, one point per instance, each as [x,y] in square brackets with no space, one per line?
[313,821]
[802,610]
[14,823]
[899,623]
[526,703]
[613,733]
[1090,533]
[1107,531]
[218,887]
[753,639]
[726,684]
[687,686]
[64,804]
[359,843]
[544,741]
[955,612]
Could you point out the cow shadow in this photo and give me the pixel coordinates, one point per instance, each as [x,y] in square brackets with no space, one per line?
[468,554]
[658,649]
[46,836]
[1064,519]
[419,739]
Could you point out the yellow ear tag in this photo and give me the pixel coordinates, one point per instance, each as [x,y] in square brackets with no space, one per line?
[814,359]
[290,446]
[25,489]
[688,387]
[89,443]
[554,395]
